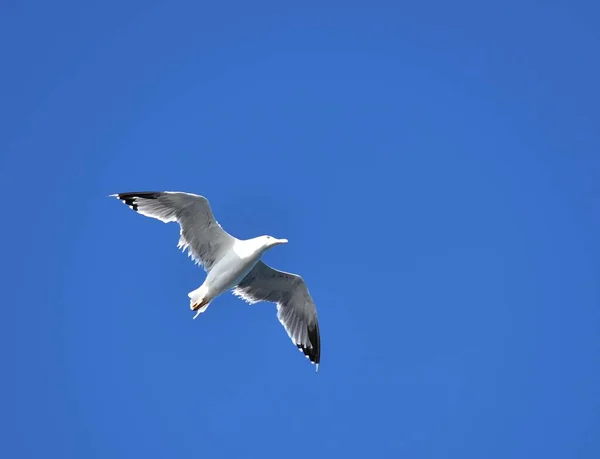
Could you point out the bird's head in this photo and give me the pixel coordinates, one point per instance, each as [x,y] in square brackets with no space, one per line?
[270,241]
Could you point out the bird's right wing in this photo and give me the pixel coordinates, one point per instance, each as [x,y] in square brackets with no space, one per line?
[200,233]
[295,307]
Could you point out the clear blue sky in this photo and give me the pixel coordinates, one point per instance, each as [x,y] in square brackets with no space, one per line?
[435,166]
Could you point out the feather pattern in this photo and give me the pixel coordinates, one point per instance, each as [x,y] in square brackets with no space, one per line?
[295,307]
[203,237]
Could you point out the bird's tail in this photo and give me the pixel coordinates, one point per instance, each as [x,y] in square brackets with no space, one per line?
[198,300]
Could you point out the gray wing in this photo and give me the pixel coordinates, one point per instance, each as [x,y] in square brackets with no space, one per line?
[200,233]
[295,308]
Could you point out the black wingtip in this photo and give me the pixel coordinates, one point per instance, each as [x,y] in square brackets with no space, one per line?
[130,198]
[312,352]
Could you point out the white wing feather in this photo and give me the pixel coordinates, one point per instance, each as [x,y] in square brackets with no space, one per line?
[200,233]
[295,307]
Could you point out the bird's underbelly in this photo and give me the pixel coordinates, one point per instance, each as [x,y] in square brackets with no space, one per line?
[228,272]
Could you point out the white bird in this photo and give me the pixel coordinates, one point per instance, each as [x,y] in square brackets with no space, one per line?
[235,264]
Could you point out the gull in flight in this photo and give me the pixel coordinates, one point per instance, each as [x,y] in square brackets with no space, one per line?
[233,263]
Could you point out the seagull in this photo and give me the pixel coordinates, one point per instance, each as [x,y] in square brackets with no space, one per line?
[233,264]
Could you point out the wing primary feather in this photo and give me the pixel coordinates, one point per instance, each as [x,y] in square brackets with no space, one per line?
[295,308]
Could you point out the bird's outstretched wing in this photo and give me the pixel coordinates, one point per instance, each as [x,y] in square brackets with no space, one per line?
[200,233]
[295,308]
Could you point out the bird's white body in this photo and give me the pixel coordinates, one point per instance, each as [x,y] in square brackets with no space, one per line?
[229,271]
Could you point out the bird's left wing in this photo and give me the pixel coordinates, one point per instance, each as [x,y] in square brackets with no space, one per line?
[295,308]
[200,232]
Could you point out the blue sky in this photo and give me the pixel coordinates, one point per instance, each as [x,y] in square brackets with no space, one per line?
[434,165]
